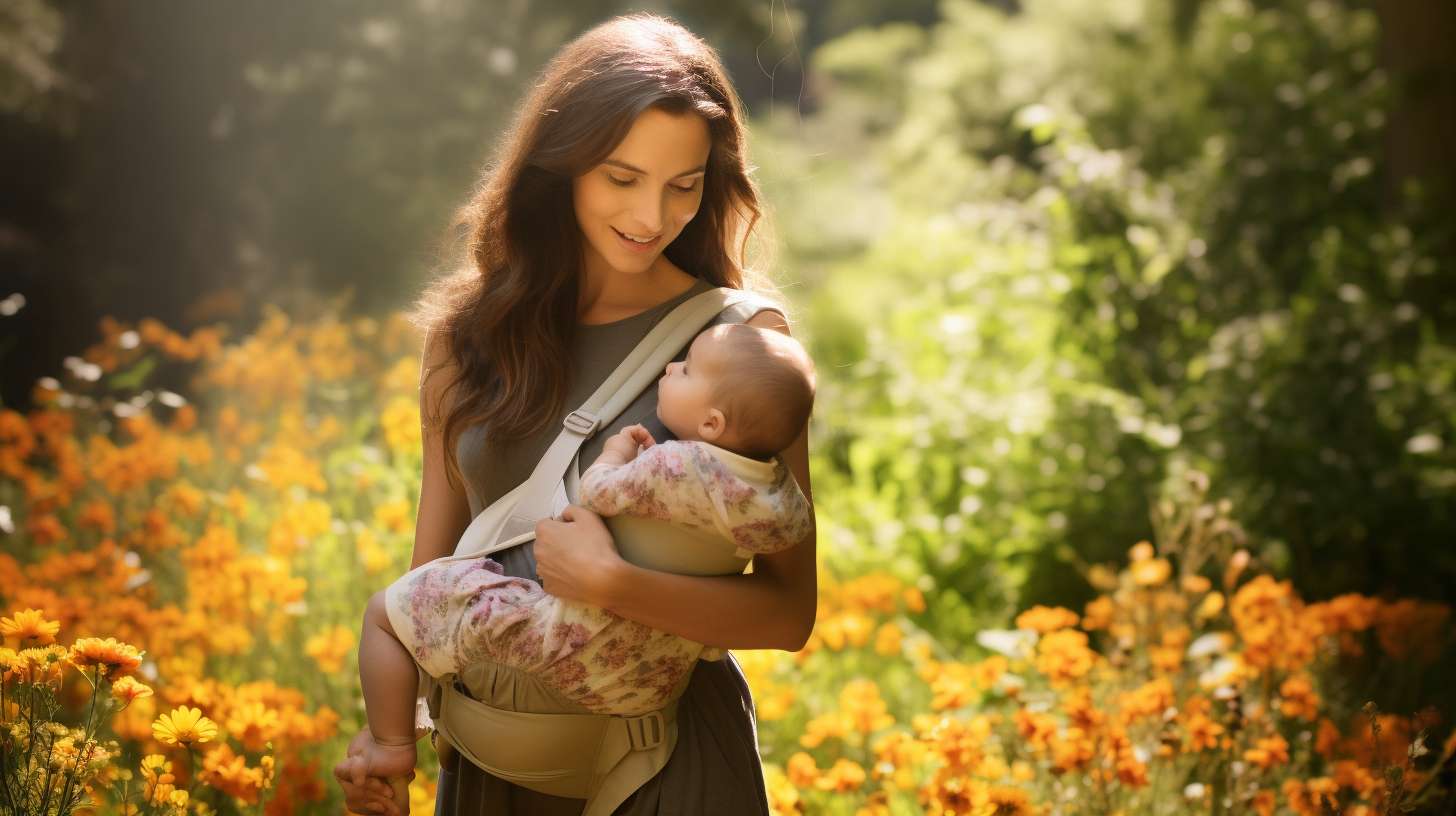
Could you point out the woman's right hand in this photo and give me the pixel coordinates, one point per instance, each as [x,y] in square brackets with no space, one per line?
[372,797]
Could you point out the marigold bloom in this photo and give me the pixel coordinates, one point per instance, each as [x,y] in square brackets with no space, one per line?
[111,656]
[1098,613]
[888,639]
[1297,698]
[802,770]
[1064,655]
[1151,572]
[30,624]
[1271,621]
[1268,752]
[845,776]
[184,726]
[1045,619]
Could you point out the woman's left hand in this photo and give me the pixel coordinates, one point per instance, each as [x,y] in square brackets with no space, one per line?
[576,558]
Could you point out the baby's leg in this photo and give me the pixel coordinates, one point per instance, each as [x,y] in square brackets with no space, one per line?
[389,679]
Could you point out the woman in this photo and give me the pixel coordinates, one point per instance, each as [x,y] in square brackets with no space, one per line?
[620,191]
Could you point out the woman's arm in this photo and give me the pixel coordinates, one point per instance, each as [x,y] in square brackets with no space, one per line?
[444,510]
[772,607]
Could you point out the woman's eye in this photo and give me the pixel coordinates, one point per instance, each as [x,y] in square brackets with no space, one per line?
[688,189]
[620,182]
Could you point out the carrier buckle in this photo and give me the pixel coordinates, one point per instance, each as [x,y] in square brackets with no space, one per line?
[581,422]
[646,731]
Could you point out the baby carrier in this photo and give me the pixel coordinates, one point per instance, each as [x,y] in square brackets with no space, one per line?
[598,757]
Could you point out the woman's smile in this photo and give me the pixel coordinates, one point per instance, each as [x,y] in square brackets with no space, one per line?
[628,241]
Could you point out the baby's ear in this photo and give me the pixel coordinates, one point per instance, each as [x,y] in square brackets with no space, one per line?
[713,425]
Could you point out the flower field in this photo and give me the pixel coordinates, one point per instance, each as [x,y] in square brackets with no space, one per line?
[193,524]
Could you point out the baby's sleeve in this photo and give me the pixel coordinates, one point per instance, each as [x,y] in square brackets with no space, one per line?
[637,488]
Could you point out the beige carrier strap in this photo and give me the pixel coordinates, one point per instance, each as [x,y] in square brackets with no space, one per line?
[596,757]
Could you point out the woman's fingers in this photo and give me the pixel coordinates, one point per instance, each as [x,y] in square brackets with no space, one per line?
[579,515]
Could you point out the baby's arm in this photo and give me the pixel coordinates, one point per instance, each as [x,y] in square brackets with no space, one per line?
[612,486]
[622,447]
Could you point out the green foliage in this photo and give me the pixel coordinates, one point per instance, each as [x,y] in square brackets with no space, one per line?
[1095,251]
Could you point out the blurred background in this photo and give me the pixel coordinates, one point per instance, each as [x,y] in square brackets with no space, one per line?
[1057,261]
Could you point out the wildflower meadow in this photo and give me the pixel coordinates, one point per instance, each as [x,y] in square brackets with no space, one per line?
[185,568]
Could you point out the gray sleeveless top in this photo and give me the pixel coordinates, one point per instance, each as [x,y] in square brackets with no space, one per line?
[715,767]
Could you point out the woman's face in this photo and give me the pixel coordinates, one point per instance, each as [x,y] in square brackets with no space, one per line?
[633,204]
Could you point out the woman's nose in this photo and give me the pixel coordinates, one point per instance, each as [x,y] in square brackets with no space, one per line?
[647,212]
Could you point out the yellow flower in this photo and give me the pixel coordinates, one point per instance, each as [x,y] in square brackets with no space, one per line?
[845,777]
[128,690]
[330,647]
[30,624]
[1046,619]
[1151,571]
[888,639]
[1268,752]
[253,724]
[113,657]
[802,770]
[184,726]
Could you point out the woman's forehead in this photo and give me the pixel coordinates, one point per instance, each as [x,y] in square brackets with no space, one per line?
[664,144]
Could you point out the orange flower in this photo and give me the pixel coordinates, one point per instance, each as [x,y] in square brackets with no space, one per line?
[128,690]
[846,776]
[1045,619]
[1098,613]
[1297,698]
[802,770]
[46,529]
[111,656]
[30,624]
[1151,572]
[330,647]
[253,724]
[1268,752]
[1064,655]
[1272,622]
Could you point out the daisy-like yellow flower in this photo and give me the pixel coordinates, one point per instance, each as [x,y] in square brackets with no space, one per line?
[112,656]
[128,690]
[30,624]
[184,726]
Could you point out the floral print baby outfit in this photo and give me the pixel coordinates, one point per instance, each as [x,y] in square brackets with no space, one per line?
[451,614]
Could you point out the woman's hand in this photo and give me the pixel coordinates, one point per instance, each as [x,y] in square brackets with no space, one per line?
[375,795]
[576,558]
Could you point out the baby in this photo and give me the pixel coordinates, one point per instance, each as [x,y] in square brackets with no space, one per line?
[742,395]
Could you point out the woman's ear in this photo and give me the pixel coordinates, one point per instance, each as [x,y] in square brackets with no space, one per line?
[712,427]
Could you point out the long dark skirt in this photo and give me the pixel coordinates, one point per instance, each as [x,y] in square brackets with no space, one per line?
[715,768]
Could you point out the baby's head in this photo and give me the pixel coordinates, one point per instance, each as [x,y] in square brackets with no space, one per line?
[746,389]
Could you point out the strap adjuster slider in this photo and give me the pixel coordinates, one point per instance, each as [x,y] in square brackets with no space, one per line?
[581,422]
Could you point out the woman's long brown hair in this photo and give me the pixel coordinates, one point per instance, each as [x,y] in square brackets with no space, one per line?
[509,314]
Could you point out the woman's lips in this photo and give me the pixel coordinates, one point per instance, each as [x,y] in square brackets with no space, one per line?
[632,245]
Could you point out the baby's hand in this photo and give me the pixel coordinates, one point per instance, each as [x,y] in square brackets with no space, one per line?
[621,448]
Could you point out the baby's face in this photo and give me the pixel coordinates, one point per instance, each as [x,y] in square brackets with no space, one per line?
[685,391]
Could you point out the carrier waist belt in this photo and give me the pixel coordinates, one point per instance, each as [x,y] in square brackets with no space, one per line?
[602,758]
